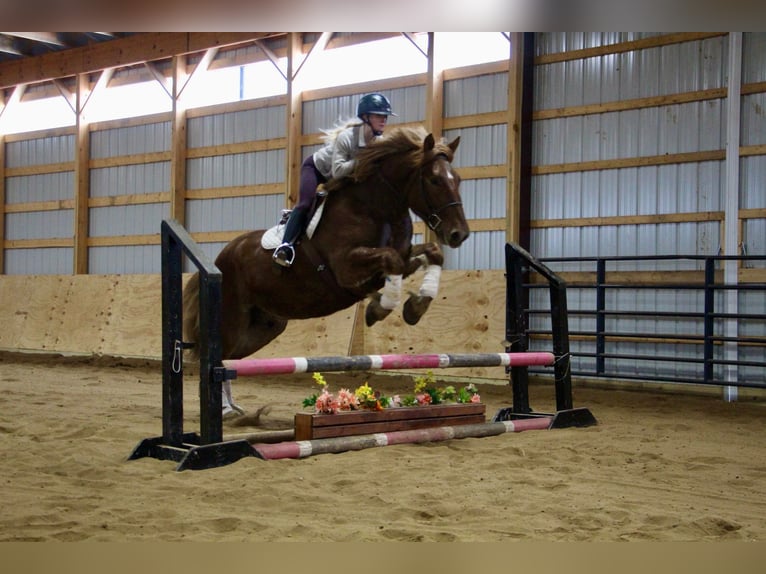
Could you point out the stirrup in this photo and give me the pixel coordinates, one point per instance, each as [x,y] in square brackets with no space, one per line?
[284,255]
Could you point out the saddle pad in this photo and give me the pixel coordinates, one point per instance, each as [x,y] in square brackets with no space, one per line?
[273,236]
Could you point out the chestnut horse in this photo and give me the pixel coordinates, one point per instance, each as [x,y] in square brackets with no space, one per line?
[364,236]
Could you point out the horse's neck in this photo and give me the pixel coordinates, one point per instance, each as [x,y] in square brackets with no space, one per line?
[383,199]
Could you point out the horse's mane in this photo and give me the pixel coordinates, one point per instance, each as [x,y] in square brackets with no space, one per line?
[405,143]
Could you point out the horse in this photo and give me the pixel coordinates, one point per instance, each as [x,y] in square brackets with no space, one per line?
[361,245]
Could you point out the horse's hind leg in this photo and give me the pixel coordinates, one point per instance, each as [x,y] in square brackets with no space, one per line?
[256,329]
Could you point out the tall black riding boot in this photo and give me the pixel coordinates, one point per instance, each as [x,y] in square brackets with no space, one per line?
[284,255]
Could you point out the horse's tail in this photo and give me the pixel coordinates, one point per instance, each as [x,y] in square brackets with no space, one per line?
[191,314]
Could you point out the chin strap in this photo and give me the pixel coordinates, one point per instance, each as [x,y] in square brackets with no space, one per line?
[375,132]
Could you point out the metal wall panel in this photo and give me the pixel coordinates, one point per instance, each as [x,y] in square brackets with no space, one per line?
[39,151]
[753,57]
[476,95]
[234,213]
[36,188]
[237,127]
[39,261]
[39,224]
[132,140]
[121,220]
[121,259]
[135,179]
[236,170]
[484,145]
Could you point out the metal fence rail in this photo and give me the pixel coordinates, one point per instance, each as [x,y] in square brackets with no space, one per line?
[697,329]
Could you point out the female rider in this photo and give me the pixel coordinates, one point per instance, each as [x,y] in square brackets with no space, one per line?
[335,159]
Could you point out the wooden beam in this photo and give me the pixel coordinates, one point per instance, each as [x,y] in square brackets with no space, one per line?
[513,122]
[434,120]
[294,119]
[81,180]
[273,58]
[201,66]
[2,202]
[16,94]
[317,46]
[131,50]
[178,145]
[159,76]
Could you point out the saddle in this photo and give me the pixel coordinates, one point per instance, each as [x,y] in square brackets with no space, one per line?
[273,236]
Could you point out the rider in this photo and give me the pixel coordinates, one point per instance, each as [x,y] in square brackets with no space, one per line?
[335,159]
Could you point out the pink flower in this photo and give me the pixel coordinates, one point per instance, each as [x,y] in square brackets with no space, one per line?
[326,403]
[423,398]
[347,400]
[475,398]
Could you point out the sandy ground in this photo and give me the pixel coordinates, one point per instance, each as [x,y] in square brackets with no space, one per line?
[658,467]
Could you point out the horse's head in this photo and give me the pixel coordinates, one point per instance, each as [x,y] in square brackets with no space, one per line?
[438,201]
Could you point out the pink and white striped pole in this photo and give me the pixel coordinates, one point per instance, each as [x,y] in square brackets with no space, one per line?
[306,448]
[282,366]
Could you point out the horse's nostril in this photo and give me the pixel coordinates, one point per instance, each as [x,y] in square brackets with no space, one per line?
[457,237]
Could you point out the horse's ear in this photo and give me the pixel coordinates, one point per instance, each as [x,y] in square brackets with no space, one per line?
[453,145]
[429,143]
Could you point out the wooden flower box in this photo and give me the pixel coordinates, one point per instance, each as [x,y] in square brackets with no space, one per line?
[350,423]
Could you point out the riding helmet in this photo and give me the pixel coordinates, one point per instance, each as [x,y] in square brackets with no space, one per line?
[374,104]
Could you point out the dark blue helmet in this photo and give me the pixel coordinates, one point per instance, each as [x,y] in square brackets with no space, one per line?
[374,104]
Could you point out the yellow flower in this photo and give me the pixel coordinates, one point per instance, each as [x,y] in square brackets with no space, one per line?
[364,393]
[319,379]
[422,382]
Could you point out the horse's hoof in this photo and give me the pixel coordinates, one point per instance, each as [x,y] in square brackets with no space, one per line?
[414,308]
[230,413]
[375,313]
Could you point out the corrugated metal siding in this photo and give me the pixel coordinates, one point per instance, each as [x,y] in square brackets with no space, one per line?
[34,188]
[121,259]
[39,224]
[670,189]
[234,170]
[39,151]
[234,213]
[121,220]
[133,140]
[476,95]
[40,261]
[130,179]
[483,198]
[237,127]
[43,187]
[134,179]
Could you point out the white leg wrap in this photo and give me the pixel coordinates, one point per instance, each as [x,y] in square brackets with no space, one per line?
[392,292]
[430,285]
[227,402]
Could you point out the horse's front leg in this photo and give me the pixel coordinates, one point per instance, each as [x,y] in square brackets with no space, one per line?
[363,264]
[431,257]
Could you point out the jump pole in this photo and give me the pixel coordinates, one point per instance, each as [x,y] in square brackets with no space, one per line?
[306,448]
[285,366]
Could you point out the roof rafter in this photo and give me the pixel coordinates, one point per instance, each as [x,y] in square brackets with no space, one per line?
[131,50]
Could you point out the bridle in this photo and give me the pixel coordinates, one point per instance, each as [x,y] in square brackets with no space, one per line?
[433,220]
